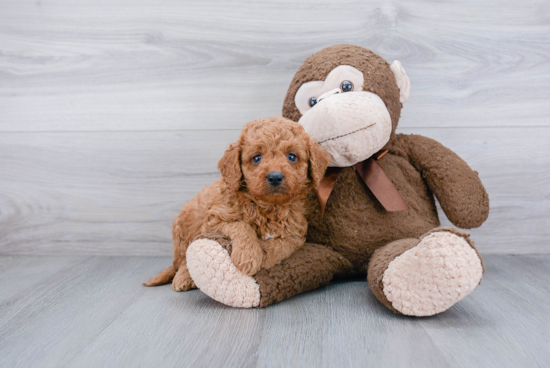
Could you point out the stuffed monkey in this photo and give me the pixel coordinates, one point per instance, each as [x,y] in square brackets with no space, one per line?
[374,214]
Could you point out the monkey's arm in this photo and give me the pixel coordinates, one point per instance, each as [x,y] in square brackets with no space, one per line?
[457,187]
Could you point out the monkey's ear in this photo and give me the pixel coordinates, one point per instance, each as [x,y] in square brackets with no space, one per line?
[402,80]
[318,162]
[230,166]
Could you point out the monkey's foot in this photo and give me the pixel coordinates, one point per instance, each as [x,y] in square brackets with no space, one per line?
[210,266]
[431,276]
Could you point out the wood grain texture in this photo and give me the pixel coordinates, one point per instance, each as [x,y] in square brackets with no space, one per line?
[113,114]
[20,273]
[144,65]
[117,192]
[96,313]
[512,291]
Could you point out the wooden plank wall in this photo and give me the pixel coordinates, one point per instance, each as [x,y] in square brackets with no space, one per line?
[114,113]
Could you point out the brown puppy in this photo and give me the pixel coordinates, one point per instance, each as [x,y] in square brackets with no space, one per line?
[258,202]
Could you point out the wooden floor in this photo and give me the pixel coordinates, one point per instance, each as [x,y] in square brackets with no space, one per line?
[93,312]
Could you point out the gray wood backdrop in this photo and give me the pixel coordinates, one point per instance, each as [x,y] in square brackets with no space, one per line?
[114,113]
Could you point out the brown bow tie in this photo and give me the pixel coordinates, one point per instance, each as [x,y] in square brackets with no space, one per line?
[375,178]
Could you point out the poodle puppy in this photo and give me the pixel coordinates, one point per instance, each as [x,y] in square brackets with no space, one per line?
[258,203]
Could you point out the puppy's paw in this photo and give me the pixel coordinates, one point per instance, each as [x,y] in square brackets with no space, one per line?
[183,283]
[248,259]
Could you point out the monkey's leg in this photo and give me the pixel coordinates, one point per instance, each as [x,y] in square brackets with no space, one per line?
[426,276]
[309,268]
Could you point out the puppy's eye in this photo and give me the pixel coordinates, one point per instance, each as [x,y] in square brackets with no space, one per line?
[346,86]
[312,101]
[292,157]
[257,159]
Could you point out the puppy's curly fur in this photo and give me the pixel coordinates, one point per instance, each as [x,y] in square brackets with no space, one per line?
[265,223]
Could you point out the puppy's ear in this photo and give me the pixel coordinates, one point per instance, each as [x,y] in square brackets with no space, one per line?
[318,162]
[230,167]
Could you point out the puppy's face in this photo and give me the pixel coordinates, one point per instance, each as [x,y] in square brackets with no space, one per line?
[278,160]
[274,164]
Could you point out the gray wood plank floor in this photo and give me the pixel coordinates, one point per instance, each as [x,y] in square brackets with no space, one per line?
[93,312]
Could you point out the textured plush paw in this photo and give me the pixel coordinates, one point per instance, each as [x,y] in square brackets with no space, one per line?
[247,259]
[429,278]
[182,283]
[215,275]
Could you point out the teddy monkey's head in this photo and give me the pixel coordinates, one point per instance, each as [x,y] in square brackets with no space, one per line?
[349,100]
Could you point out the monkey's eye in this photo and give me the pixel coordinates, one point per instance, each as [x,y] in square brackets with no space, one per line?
[292,157]
[312,101]
[346,86]
[257,159]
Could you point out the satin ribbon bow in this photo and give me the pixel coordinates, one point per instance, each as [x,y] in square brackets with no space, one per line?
[375,178]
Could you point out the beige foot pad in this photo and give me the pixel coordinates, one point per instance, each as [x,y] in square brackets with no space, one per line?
[429,278]
[215,275]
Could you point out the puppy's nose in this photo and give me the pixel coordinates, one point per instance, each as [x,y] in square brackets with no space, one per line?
[275,178]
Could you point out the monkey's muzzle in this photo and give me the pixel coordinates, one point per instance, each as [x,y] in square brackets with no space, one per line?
[350,126]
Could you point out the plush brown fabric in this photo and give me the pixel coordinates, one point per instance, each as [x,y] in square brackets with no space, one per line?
[378,77]
[383,256]
[354,224]
[380,261]
[456,186]
[224,241]
[356,234]
[309,268]
[461,233]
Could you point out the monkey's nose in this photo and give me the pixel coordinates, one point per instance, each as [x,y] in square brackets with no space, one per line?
[275,178]
[328,94]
